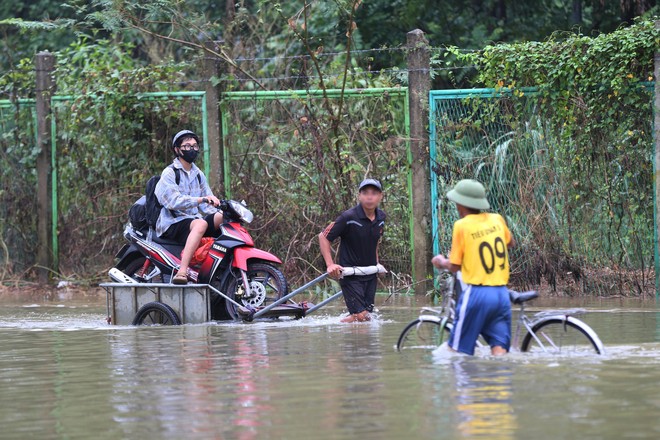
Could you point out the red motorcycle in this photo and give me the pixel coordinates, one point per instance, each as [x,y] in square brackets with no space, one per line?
[233,265]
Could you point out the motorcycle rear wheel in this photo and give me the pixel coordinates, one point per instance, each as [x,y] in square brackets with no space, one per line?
[134,270]
[267,285]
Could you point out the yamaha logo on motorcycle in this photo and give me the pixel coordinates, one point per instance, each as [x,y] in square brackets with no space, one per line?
[219,248]
[233,265]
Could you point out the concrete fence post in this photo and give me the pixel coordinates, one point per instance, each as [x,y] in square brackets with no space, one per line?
[656,166]
[419,85]
[45,89]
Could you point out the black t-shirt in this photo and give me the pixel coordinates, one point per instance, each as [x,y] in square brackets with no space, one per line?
[359,236]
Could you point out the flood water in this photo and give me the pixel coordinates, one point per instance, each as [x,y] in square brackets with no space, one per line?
[66,374]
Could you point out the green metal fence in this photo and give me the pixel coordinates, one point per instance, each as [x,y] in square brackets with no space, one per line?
[18,145]
[591,234]
[62,112]
[586,232]
[91,189]
[281,151]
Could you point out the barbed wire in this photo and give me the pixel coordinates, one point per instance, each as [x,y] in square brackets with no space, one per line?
[331,54]
[358,74]
[322,54]
[331,76]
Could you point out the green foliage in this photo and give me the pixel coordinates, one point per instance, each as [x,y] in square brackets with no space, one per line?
[18,152]
[288,169]
[255,28]
[109,141]
[581,124]
[15,82]
[473,25]
[29,25]
[608,62]
[568,140]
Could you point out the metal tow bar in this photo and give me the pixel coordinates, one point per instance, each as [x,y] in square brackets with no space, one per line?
[253,314]
[348,271]
[324,302]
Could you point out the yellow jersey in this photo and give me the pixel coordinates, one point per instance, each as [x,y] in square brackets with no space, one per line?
[479,245]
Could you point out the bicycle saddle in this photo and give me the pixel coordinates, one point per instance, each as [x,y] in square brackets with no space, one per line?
[521,297]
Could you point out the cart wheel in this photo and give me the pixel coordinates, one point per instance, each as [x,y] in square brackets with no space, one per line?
[156,313]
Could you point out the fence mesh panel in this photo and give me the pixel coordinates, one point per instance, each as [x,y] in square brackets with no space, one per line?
[582,224]
[18,158]
[298,171]
[106,151]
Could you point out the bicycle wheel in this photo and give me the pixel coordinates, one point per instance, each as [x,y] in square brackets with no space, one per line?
[423,332]
[562,335]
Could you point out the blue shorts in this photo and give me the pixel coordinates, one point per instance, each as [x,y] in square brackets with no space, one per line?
[484,310]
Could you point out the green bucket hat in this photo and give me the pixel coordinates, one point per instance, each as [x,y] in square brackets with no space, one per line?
[470,194]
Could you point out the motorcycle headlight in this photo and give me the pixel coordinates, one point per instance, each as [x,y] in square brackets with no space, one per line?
[242,211]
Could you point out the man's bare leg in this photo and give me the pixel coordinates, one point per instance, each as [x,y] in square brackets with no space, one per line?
[498,351]
[197,230]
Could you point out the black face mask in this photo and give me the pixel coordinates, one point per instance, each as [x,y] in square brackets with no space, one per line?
[189,155]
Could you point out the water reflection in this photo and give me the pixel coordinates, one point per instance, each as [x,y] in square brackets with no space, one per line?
[356,385]
[65,374]
[199,382]
[232,379]
[484,393]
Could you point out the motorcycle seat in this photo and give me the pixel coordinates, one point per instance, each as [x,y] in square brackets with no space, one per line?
[167,242]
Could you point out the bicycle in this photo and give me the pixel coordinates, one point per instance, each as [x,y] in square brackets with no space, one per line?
[554,331]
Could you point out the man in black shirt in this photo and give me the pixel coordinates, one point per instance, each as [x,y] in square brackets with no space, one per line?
[360,229]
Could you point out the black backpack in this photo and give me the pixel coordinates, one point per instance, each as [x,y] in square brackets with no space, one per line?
[145,212]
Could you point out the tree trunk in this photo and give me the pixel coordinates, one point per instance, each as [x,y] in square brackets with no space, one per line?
[597,14]
[230,10]
[500,10]
[576,13]
[627,10]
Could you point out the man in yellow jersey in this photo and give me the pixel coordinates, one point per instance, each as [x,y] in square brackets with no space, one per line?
[479,250]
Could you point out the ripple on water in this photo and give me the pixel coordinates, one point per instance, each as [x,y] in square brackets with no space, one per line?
[645,352]
[309,321]
[35,317]
[290,378]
